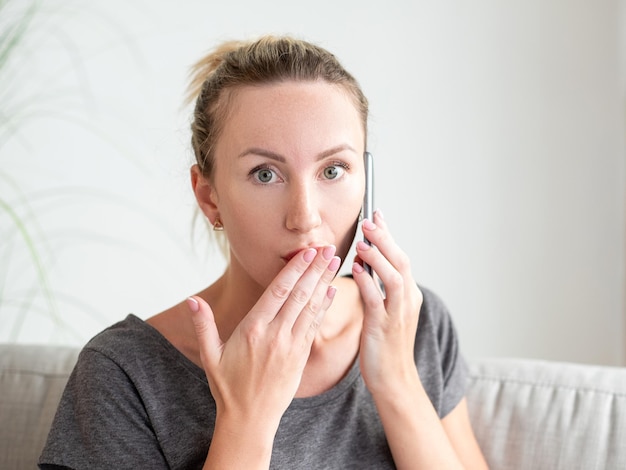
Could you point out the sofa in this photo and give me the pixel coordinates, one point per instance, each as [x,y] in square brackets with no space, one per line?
[527,414]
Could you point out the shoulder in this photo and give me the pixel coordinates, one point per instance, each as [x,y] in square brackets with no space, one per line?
[121,332]
[129,352]
[138,350]
[110,357]
[436,327]
[130,335]
[101,400]
[437,354]
[434,312]
[125,339]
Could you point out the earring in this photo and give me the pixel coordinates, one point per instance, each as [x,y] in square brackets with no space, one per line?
[218,226]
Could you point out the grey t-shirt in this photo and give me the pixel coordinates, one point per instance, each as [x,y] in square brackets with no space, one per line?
[134,401]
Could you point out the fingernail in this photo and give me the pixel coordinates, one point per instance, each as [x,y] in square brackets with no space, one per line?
[309,255]
[328,252]
[193,304]
[380,214]
[334,264]
[357,268]
[332,290]
[361,245]
[369,225]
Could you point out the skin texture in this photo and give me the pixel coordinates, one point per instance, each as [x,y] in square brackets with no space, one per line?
[288,187]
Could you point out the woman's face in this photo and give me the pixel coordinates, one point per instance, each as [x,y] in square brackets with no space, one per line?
[289,173]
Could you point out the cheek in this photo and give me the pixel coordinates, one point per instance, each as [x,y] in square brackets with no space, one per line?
[246,216]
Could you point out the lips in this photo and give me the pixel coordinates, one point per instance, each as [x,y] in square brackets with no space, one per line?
[293,253]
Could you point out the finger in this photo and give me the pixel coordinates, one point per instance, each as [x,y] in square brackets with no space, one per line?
[310,289]
[310,317]
[280,289]
[372,256]
[395,281]
[389,262]
[370,293]
[314,325]
[378,234]
[206,331]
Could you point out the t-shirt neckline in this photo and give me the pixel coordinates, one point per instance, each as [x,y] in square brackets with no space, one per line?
[346,382]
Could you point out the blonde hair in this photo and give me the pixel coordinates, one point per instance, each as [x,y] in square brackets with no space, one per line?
[269,59]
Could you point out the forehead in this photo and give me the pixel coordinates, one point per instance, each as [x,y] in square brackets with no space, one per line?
[287,96]
[290,115]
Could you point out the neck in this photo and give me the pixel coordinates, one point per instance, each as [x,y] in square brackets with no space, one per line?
[231,297]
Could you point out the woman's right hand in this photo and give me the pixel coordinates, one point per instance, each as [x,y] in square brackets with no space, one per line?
[255,374]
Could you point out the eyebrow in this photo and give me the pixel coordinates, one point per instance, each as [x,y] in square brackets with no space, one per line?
[275,156]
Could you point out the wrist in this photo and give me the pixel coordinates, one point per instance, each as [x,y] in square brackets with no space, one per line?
[399,396]
[398,383]
[244,442]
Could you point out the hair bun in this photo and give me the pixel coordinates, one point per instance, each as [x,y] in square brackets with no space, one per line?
[207,65]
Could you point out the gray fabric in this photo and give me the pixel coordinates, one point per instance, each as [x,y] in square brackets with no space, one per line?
[133,401]
[536,415]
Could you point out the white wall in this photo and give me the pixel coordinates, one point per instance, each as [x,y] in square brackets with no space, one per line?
[498,129]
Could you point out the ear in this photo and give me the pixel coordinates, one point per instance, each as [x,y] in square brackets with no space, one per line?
[205,194]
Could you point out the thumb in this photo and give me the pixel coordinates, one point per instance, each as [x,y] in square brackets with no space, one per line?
[206,330]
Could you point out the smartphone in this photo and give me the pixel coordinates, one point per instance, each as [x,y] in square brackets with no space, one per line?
[368,199]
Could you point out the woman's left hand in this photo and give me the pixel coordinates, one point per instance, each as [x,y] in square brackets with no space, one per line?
[390,322]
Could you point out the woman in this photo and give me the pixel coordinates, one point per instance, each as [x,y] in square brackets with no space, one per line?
[279,363]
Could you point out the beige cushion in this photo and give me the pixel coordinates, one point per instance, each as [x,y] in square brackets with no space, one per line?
[530,414]
[32,379]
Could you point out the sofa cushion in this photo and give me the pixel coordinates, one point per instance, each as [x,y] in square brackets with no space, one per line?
[32,379]
[531,414]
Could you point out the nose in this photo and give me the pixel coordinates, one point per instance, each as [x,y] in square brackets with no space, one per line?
[303,211]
